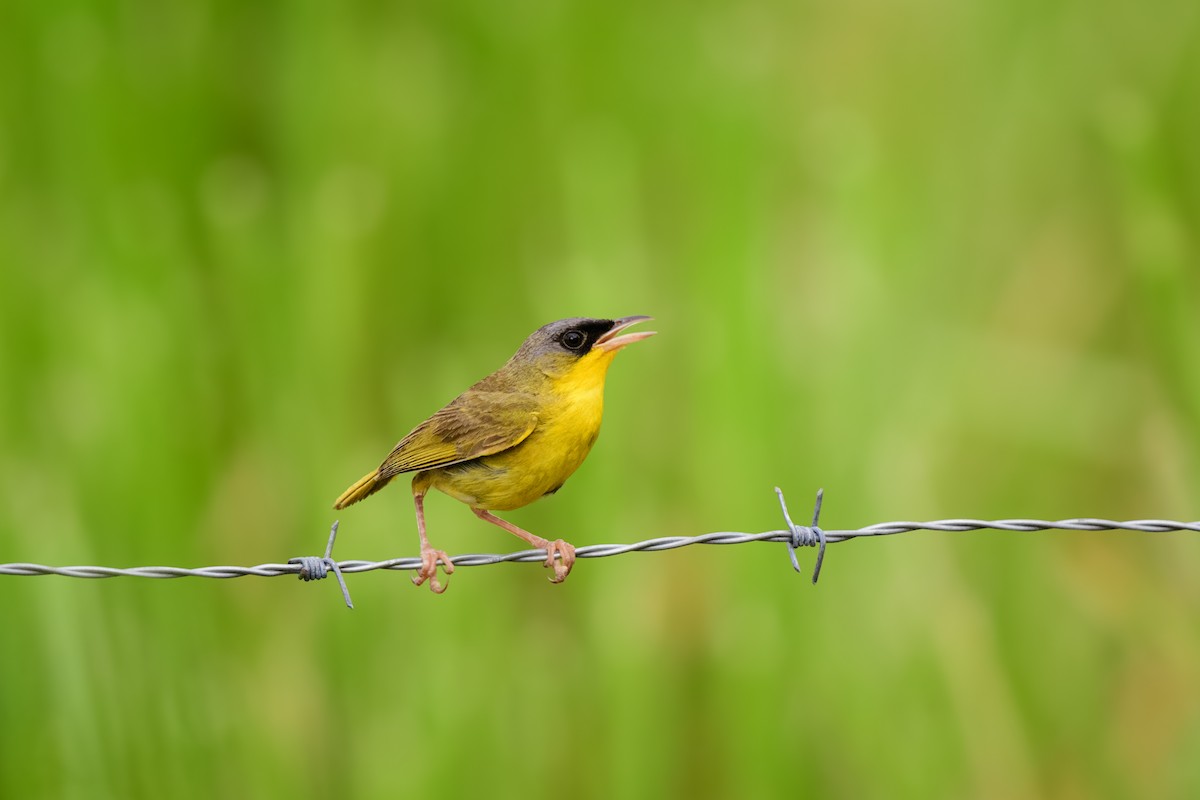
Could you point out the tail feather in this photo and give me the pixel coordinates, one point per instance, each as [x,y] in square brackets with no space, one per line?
[364,487]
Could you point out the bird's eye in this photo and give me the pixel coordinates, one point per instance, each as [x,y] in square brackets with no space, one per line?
[573,340]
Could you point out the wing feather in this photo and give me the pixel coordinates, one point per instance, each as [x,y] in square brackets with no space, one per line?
[489,423]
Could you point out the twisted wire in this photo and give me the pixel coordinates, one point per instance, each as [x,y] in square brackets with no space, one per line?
[315,568]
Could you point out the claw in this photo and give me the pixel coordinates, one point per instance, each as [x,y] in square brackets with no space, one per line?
[566,552]
[428,570]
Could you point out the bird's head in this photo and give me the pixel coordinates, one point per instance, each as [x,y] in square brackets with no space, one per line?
[578,346]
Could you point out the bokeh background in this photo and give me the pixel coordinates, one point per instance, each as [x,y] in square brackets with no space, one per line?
[938,258]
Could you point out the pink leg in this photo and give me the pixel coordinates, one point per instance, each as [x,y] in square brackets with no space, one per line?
[564,550]
[429,556]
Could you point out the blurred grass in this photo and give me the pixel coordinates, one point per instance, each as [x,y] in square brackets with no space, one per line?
[940,259]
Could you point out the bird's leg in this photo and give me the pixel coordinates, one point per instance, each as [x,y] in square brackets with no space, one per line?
[429,556]
[564,550]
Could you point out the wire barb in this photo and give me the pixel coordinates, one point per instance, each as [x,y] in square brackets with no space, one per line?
[313,568]
[805,535]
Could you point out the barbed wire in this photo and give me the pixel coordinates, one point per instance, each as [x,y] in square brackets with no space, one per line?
[311,568]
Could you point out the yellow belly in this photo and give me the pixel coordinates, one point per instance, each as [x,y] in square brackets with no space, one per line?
[564,435]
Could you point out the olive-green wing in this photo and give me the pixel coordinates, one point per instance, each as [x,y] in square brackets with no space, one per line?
[475,425]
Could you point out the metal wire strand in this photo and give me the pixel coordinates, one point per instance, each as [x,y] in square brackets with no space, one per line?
[315,567]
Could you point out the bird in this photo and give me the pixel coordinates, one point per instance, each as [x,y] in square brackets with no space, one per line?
[512,438]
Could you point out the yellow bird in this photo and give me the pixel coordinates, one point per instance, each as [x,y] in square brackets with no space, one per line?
[513,437]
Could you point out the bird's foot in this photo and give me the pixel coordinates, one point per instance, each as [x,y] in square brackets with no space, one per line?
[565,552]
[428,570]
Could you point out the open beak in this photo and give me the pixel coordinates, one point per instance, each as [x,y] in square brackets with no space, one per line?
[611,341]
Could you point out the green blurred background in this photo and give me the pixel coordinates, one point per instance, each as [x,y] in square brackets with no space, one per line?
[941,259]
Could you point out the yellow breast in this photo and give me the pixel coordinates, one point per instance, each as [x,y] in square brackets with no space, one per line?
[567,427]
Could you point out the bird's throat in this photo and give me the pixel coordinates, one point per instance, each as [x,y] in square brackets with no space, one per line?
[584,377]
